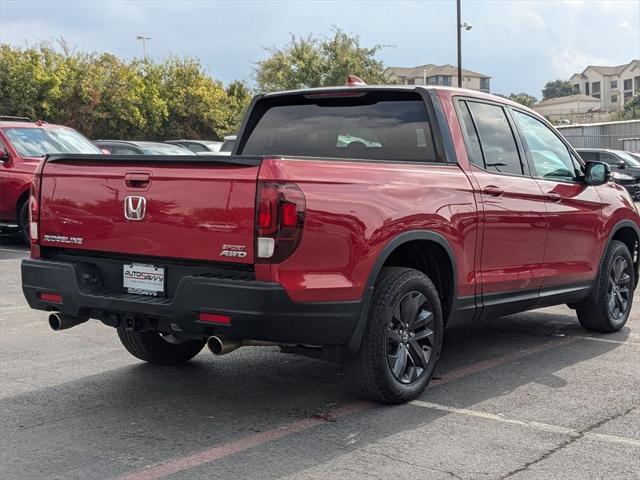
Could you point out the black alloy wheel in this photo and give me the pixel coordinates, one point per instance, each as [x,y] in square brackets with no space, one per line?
[410,338]
[619,293]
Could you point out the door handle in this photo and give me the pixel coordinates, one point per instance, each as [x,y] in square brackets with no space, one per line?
[554,197]
[137,180]
[493,190]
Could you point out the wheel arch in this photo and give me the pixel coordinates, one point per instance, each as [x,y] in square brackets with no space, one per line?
[424,250]
[628,233]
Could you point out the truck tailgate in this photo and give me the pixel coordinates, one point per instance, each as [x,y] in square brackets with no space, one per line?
[174,207]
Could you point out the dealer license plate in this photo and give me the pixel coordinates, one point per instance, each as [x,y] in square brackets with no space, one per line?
[143,279]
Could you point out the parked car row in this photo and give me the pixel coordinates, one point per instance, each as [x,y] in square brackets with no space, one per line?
[625,167]
[169,147]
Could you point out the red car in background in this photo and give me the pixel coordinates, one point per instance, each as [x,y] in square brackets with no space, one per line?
[23,144]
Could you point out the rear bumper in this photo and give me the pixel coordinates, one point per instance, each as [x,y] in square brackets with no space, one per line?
[258,310]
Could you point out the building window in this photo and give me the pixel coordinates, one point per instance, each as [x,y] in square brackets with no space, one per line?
[439,80]
[627,97]
[576,88]
[614,98]
[595,88]
[614,84]
[484,84]
[636,80]
[411,81]
[586,88]
[627,84]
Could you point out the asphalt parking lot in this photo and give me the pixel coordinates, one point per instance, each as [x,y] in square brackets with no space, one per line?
[526,396]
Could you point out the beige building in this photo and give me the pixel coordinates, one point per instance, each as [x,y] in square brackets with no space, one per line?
[569,107]
[613,86]
[446,75]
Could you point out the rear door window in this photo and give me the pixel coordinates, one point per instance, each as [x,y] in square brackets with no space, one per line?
[391,126]
[497,141]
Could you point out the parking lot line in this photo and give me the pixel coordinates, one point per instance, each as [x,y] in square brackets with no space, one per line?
[546,427]
[218,452]
[502,359]
[607,340]
[227,449]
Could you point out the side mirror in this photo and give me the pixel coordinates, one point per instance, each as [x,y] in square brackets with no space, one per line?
[621,165]
[4,156]
[597,173]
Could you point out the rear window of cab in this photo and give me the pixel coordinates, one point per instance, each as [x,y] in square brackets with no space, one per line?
[392,126]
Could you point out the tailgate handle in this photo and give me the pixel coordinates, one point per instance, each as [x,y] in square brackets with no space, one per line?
[137,180]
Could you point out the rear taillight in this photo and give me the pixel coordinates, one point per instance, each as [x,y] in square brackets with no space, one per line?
[34,215]
[280,209]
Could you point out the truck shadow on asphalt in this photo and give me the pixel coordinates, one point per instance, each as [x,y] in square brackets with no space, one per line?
[125,419]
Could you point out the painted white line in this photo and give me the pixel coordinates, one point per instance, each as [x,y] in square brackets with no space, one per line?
[546,427]
[608,340]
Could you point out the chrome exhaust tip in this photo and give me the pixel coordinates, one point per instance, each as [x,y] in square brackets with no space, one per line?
[57,321]
[221,346]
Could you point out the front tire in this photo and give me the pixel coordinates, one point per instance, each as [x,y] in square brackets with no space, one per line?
[152,348]
[612,298]
[402,340]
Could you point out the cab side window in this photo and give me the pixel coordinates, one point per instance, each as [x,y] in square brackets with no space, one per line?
[497,140]
[550,156]
[474,153]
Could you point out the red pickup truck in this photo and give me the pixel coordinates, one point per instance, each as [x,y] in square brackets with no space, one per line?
[23,144]
[350,223]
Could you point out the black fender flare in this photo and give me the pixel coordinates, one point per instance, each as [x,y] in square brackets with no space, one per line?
[356,338]
[621,224]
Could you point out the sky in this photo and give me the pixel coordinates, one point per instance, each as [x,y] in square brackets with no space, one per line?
[520,44]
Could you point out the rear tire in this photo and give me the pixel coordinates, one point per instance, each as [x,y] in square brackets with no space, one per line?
[23,222]
[152,348]
[402,341]
[613,290]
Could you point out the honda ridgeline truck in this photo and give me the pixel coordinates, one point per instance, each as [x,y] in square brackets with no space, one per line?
[351,223]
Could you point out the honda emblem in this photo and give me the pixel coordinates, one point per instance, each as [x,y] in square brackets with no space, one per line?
[135,208]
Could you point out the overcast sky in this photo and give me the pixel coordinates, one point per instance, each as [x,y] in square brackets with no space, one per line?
[521,44]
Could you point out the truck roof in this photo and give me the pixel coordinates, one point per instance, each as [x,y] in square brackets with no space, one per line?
[407,88]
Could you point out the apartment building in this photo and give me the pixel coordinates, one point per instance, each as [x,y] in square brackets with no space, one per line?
[613,86]
[446,75]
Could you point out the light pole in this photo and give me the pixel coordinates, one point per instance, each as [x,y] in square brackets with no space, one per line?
[459,27]
[144,44]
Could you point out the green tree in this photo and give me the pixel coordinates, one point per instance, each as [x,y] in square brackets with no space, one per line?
[312,62]
[631,110]
[557,88]
[523,99]
[238,100]
[104,96]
